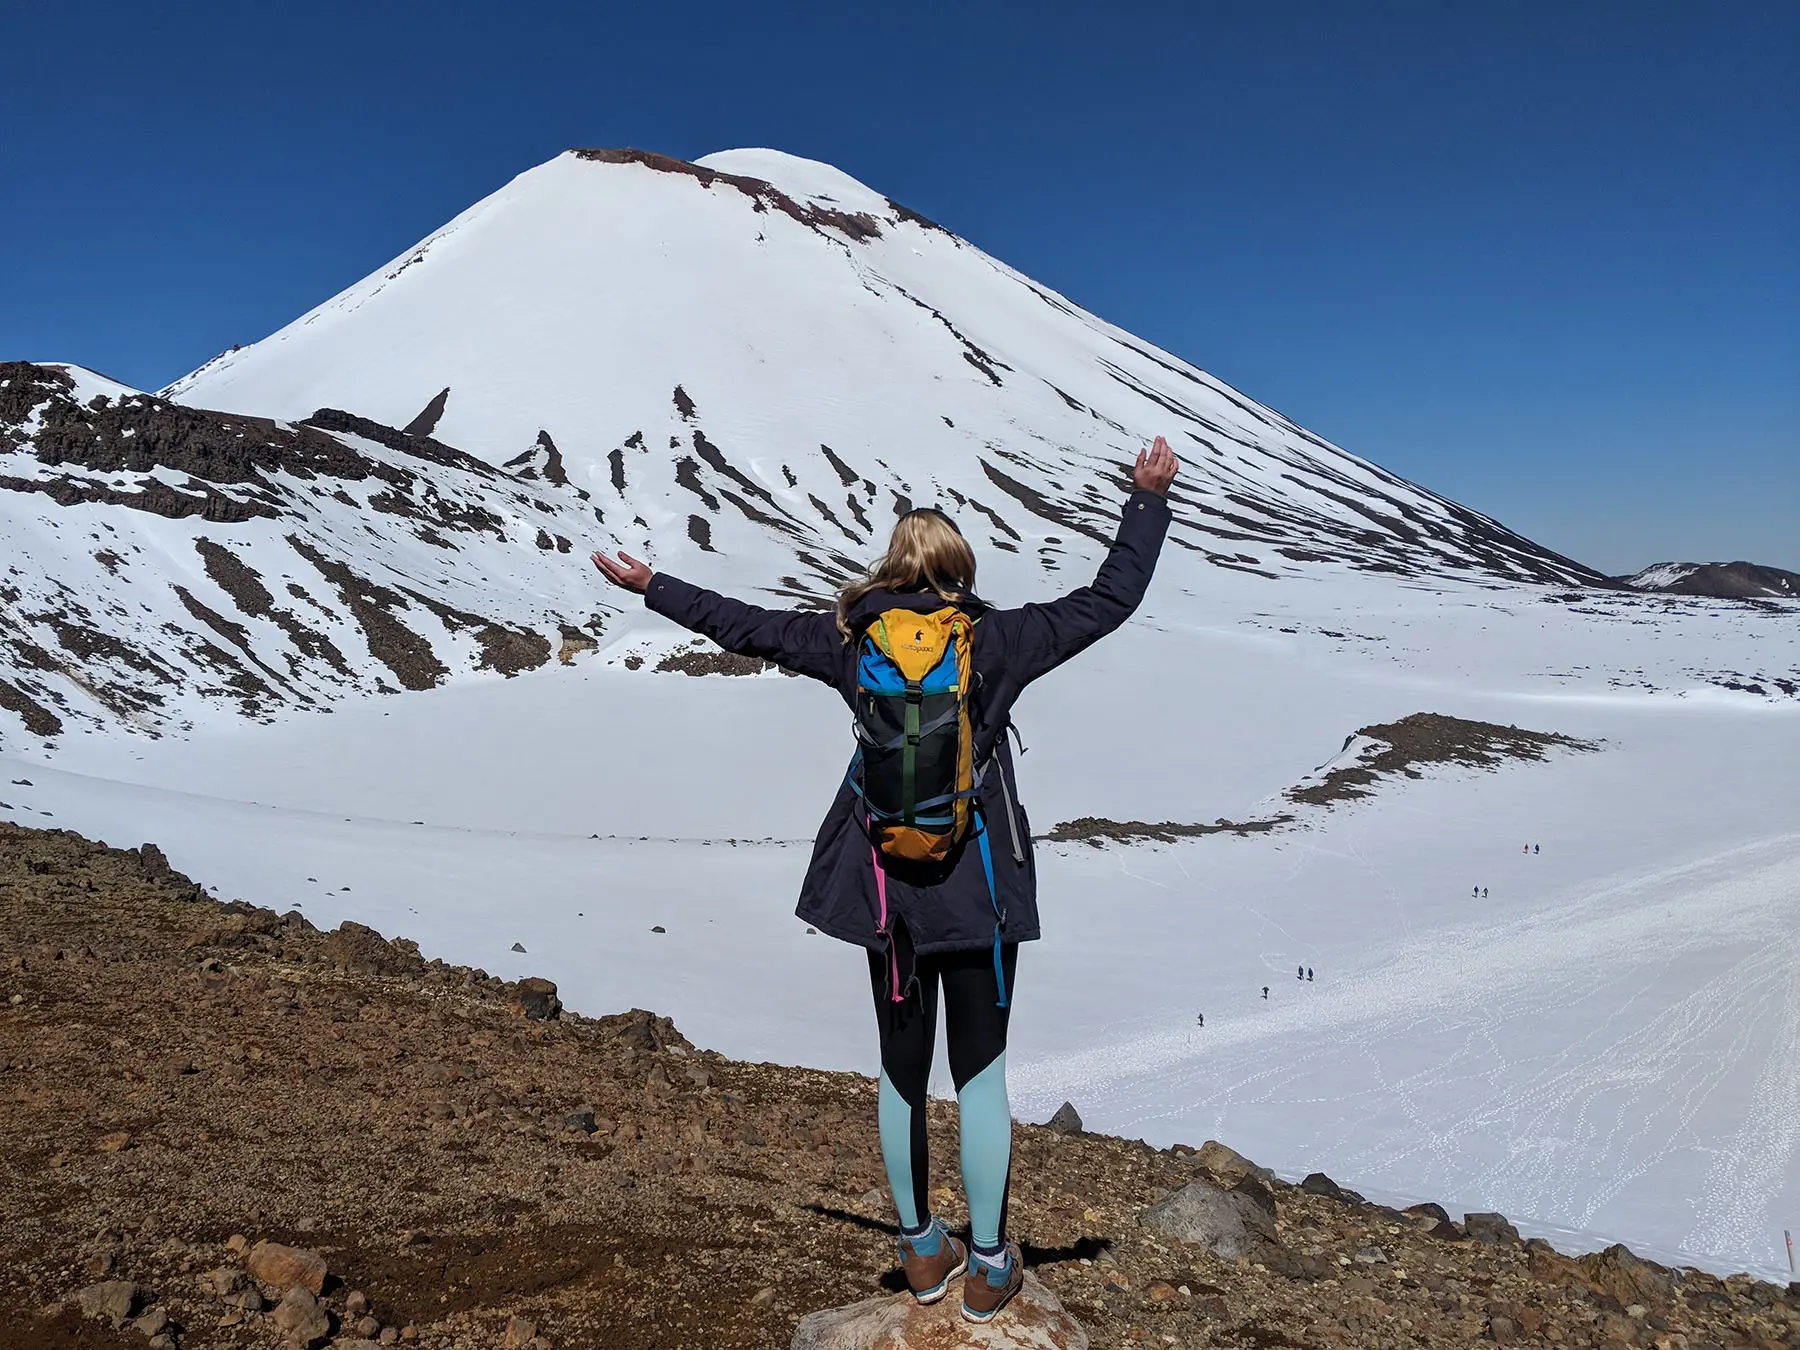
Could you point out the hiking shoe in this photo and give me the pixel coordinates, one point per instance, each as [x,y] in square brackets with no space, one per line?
[931,1261]
[987,1290]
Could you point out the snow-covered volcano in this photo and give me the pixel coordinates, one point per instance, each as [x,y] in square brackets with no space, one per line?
[760,348]
[741,369]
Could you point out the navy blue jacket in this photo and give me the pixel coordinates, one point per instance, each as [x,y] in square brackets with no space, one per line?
[947,909]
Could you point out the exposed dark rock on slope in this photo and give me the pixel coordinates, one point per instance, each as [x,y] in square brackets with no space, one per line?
[313,560]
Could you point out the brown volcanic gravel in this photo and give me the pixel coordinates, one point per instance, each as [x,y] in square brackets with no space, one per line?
[181,1079]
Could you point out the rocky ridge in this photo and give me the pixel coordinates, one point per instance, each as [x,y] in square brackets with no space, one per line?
[225,1128]
[1717,580]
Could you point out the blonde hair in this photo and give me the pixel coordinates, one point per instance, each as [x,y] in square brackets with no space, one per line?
[925,552]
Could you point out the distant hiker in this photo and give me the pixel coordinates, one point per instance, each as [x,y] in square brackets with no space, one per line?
[1309,972]
[922,858]
[1527,848]
[1265,991]
[1484,892]
[1475,892]
[1201,1019]
[1536,849]
[1299,972]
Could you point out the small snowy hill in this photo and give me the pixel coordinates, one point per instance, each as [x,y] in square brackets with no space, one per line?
[1719,581]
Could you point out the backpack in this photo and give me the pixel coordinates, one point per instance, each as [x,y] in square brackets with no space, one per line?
[915,762]
[915,755]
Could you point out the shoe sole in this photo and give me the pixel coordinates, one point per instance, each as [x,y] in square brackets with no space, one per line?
[942,1287]
[983,1318]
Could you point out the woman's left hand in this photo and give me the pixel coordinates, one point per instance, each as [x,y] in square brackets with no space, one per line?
[627,574]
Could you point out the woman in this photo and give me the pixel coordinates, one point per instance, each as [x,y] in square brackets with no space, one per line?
[950,925]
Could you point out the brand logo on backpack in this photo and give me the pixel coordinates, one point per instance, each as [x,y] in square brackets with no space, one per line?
[915,764]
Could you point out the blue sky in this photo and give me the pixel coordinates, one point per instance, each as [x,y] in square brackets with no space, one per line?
[1544,258]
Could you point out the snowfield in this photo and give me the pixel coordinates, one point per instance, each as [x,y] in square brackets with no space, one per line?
[747,383]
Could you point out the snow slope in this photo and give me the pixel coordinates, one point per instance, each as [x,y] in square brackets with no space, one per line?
[743,368]
[1604,1048]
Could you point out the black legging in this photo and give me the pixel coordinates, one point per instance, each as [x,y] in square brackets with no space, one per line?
[975,1029]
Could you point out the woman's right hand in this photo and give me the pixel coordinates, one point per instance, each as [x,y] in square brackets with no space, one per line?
[1155,468]
[627,573]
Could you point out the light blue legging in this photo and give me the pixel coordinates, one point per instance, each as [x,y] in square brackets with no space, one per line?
[975,1030]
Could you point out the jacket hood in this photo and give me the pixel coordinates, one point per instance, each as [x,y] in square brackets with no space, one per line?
[919,602]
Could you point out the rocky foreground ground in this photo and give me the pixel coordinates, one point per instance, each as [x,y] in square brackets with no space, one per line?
[220,1127]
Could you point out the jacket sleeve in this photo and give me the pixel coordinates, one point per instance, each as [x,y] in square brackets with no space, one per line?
[1041,637]
[803,641]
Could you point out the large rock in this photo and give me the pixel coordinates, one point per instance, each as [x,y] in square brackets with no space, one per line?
[286,1267]
[1617,1271]
[1228,1165]
[1491,1230]
[301,1319]
[1067,1120]
[360,950]
[1317,1183]
[115,1300]
[1227,1222]
[536,998]
[1034,1320]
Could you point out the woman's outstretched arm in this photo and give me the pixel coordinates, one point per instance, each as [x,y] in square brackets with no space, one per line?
[1041,637]
[803,641]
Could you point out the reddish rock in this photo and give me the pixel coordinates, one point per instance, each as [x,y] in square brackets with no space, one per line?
[536,998]
[287,1267]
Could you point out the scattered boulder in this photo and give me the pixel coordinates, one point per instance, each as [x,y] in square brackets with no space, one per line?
[1434,1221]
[1067,1120]
[1317,1183]
[115,1300]
[301,1319]
[520,1332]
[1227,1222]
[224,1281]
[644,1032]
[519,947]
[1034,1320]
[153,1323]
[360,950]
[1491,1230]
[1258,1194]
[536,999]
[582,1120]
[286,1267]
[1228,1165]
[1626,1277]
